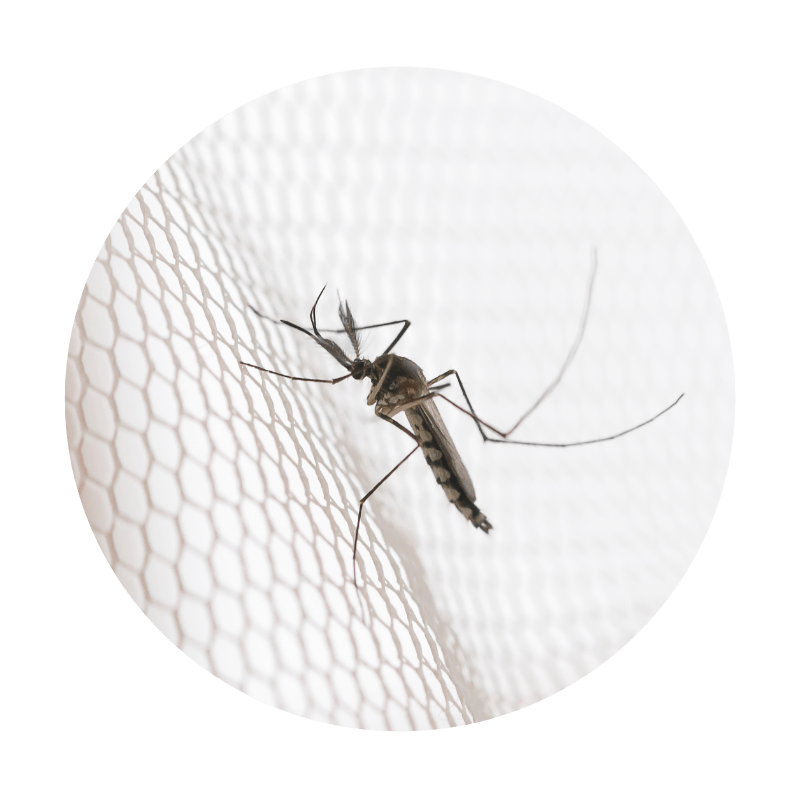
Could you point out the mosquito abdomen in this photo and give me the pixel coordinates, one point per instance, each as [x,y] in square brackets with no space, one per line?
[455,491]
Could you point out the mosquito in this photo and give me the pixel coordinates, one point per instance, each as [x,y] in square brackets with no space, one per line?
[399,386]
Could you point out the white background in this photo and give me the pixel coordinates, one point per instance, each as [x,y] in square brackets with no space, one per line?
[438,193]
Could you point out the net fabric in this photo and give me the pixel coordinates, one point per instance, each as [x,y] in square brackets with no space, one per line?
[225,500]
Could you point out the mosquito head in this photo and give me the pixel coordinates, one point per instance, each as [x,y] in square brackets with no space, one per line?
[362,368]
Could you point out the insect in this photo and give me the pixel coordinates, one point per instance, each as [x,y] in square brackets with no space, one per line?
[399,386]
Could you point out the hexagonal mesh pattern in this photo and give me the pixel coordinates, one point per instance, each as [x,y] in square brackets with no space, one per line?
[225,500]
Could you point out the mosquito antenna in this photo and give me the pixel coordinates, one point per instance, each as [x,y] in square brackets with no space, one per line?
[331,347]
[349,324]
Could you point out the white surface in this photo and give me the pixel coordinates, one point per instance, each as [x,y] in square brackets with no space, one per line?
[225,501]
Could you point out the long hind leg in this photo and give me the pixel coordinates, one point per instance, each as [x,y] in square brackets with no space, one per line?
[503,436]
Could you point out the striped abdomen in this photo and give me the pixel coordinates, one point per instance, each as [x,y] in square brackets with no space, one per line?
[448,468]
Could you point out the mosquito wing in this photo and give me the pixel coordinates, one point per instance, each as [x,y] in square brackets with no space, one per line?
[433,420]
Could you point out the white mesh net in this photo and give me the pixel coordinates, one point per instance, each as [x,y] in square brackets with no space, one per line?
[226,500]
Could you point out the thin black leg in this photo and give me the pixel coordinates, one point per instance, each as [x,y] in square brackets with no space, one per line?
[405,322]
[503,439]
[572,351]
[567,361]
[364,498]
[552,386]
[290,377]
[472,413]
[361,502]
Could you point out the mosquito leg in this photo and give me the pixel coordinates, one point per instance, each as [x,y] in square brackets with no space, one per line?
[472,413]
[441,377]
[374,488]
[290,377]
[378,385]
[413,403]
[406,325]
[396,424]
[573,349]
[361,502]
[405,322]
[550,388]
[503,439]
[503,436]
